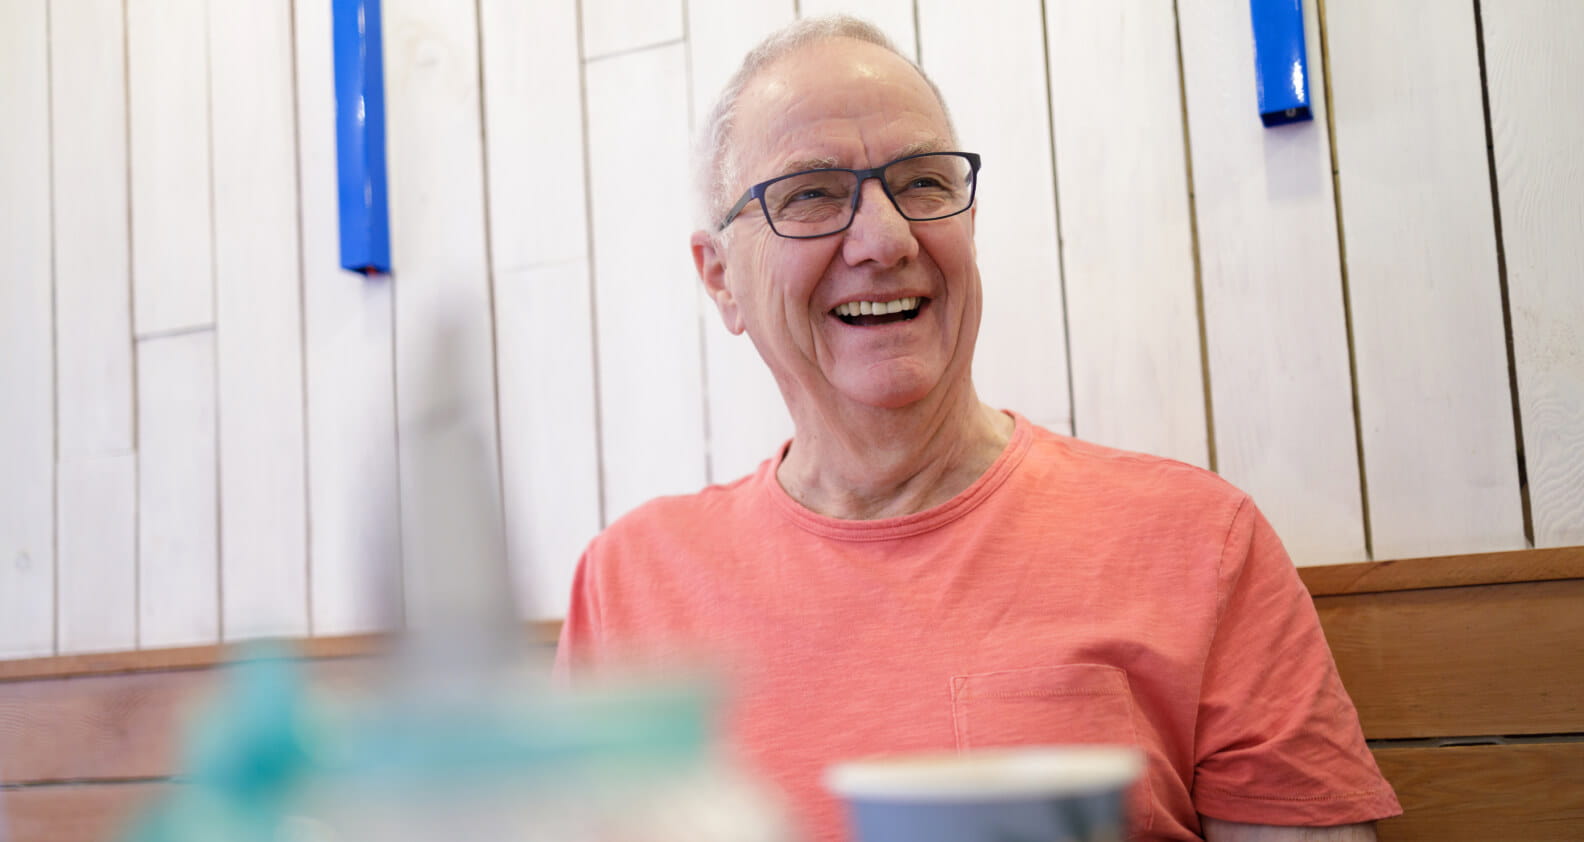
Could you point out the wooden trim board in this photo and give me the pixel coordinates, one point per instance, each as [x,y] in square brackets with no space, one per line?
[1534,565]
[1532,792]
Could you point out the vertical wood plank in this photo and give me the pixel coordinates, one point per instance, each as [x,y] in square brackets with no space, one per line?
[178,563]
[438,244]
[651,390]
[616,26]
[27,355]
[894,17]
[539,258]
[1021,361]
[98,569]
[168,100]
[263,528]
[348,323]
[1534,66]
[747,416]
[1277,342]
[88,109]
[1433,397]
[1128,246]
[93,328]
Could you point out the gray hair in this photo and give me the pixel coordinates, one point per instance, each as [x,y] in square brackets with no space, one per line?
[715,167]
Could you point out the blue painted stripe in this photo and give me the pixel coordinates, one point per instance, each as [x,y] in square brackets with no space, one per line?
[360,136]
[1281,66]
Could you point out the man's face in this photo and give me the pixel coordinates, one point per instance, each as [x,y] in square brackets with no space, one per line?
[845,103]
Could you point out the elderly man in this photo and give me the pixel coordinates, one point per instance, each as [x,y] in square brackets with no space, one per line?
[916,570]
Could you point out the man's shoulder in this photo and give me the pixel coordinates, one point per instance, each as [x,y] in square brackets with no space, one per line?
[1100,467]
[703,511]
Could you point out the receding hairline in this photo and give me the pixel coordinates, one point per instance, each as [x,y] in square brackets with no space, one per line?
[716,149]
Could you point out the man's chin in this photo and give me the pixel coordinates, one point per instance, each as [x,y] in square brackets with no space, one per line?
[894,390]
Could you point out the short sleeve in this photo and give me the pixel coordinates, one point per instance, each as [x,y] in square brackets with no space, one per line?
[580,632]
[1278,740]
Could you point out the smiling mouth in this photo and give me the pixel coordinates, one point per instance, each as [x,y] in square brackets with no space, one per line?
[866,313]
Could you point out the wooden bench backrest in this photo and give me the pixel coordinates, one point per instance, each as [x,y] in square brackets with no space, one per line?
[1468,673]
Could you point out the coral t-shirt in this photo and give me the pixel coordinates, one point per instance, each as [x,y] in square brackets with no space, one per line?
[1072,594]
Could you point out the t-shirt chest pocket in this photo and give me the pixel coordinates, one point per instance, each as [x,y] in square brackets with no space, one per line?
[1056,705]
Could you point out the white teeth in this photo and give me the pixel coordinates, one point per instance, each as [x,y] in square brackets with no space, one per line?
[875,308]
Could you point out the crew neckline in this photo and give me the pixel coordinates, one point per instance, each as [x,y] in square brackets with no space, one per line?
[901,526]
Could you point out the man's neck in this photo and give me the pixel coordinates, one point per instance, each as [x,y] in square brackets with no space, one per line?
[875,464]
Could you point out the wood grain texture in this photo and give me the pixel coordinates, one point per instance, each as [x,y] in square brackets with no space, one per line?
[747,417]
[88,812]
[1021,357]
[1116,121]
[1493,659]
[1478,793]
[348,325]
[614,26]
[263,511]
[27,340]
[168,101]
[445,354]
[100,728]
[650,362]
[97,566]
[894,17]
[178,547]
[1533,63]
[93,319]
[544,336]
[1537,565]
[539,633]
[1271,276]
[1434,402]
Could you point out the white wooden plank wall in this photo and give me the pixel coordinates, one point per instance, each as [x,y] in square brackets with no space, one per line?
[353,510]
[178,543]
[27,354]
[1274,322]
[1535,68]
[200,412]
[263,513]
[617,26]
[544,338]
[1127,255]
[96,472]
[173,317]
[1021,357]
[647,302]
[168,91]
[438,243]
[1425,293]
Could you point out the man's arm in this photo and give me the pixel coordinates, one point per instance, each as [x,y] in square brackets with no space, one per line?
[1217,830]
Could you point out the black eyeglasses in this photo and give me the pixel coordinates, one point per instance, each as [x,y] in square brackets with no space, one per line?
[818,203]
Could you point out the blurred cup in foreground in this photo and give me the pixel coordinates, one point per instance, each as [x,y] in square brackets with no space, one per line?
[1034,794]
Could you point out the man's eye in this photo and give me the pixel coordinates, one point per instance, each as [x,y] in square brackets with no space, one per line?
[808,194]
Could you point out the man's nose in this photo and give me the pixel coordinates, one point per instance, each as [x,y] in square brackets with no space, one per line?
[879,232]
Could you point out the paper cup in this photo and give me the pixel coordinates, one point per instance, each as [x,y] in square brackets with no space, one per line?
[1034,794]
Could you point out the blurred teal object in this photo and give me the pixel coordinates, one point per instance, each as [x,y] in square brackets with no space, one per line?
[247,755]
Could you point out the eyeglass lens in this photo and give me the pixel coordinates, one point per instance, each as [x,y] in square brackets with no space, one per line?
[810,204]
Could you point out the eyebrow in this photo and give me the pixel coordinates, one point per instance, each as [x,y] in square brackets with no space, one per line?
[808,164]
[920,147]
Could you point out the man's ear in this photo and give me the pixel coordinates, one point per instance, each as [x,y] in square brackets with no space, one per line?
[711,266]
